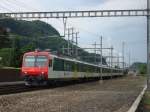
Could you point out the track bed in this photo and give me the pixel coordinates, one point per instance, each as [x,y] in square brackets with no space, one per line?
[116,95]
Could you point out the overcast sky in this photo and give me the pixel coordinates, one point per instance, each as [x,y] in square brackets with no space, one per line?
[131,30]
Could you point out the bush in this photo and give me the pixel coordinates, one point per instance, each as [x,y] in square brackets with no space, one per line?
[143,69]
[5,54]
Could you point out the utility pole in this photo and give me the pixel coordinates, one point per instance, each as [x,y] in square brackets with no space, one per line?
[95,52]
[72,40]
[76,47]
[101,47]
[148,43]
[111,59]
[111,55]
[68,42]
[118,61]
[63,50]
[72,44]
[129,58]
[123,44]
[64,23]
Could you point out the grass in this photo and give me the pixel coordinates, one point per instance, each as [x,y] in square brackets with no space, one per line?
[145,103]
[146,99]
[10,68]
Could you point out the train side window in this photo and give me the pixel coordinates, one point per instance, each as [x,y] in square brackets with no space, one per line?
[58,64]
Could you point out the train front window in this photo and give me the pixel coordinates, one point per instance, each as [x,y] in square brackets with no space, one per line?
[29,61]
[35,61]
[41,61]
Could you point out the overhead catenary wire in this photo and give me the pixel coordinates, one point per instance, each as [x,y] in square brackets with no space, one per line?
[4,8]
[14,5]
[18,4]
[25,5]
[80,28]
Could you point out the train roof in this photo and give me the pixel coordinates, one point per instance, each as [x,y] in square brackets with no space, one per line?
[75,60]
[37,52]
[65,58]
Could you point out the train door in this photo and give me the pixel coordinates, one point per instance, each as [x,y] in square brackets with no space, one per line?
[67,69]
[66,73]
[50,67]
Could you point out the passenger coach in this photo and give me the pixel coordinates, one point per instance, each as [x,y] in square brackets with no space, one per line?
[39,67]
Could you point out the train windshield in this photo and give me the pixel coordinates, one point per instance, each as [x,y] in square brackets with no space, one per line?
[35,61]
[41,61]
[29,61]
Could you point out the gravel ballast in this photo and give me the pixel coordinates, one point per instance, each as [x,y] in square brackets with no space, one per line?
[115,95]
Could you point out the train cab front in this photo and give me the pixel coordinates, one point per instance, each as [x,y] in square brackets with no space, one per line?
[35,69]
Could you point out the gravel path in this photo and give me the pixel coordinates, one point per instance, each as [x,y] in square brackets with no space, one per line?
[114,95]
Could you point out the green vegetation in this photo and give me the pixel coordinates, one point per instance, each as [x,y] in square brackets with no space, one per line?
[20,36]
[145,103]
[28,28]
[143,68]
[4,40]
[146,99]
[140,67]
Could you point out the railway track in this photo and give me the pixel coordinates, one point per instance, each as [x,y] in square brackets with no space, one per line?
[12,88]
[112,95]
[17,88]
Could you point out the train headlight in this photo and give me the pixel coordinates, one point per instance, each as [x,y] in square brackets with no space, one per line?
[25,72]
[42,72]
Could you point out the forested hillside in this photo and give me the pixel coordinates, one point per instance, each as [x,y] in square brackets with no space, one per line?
[20,36]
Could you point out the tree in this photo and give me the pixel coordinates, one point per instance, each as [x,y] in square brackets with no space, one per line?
[5,54]
[143,69]
[4,40]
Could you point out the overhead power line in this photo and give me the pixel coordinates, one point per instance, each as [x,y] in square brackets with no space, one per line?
[14,5]
[25,5]
[5,8]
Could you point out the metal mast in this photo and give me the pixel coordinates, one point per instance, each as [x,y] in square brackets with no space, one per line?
[123,64]
[101,46]
[148,42]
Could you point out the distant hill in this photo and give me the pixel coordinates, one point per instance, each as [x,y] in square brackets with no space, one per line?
[28,28]
[28,35]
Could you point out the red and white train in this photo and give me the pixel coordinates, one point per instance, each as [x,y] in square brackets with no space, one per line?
[39,67]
